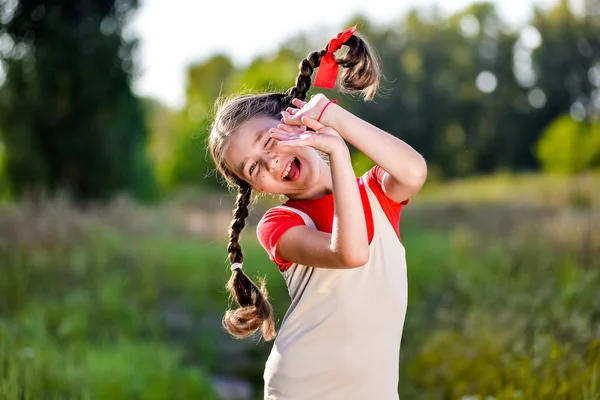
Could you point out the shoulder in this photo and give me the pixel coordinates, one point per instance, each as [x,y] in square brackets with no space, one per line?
[374,179]
[277,218]
[392,209]
[272,226]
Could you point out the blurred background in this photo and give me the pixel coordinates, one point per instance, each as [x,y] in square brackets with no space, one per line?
[113,224]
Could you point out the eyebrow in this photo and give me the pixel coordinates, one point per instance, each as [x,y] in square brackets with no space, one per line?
[256,140]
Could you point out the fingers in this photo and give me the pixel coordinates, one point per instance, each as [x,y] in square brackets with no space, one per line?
[298,103]
[303,140]
[290,140]
[290,119]
[312,123]
[285,140]
[291,129]
[292,110]
[291,124]
[281,135]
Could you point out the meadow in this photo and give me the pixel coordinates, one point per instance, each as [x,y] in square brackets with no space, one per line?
[124,301]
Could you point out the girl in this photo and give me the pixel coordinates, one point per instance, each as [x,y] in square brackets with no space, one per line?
[336,240]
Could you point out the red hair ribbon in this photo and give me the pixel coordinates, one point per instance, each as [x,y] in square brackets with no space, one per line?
[328,69]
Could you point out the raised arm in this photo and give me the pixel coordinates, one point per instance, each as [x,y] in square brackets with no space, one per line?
[406,169]
[347,246]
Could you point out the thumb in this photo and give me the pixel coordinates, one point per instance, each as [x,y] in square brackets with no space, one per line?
[312,123]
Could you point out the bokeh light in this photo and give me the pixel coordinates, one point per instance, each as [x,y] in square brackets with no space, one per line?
[487,82]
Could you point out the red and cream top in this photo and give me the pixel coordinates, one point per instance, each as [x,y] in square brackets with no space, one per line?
[278,220]
[340,337]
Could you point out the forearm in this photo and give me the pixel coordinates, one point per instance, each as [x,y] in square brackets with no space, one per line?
[349,234]
[396,157]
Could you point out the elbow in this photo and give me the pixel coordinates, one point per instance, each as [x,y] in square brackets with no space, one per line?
[355,259]
[418,174]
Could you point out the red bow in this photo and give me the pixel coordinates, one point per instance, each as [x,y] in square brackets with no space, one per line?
[328,69]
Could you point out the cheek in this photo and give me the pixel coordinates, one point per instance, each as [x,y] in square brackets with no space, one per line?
[258,183]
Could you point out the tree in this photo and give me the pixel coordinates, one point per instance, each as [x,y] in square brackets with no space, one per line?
[68,116]
[469,92]
[564,63]
[188,162]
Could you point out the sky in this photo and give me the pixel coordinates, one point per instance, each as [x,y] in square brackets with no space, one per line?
[176,33]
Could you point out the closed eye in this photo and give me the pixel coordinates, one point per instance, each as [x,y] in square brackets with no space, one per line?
[252,167]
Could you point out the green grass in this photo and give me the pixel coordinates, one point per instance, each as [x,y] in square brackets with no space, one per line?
[123,303]
[537,189]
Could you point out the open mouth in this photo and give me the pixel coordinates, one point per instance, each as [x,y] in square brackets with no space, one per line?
[292,170]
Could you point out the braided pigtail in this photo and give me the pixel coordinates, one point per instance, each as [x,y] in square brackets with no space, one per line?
[361,68]
[304,78]
[360,65]
[254,310]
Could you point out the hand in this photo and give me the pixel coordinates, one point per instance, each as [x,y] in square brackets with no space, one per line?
[323,138]
[312,109]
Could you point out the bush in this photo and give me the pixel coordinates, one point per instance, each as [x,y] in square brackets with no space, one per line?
[514,316]
[35,368]
[122,302]
[568,146]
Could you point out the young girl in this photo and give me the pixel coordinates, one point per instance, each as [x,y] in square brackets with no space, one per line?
[336,240]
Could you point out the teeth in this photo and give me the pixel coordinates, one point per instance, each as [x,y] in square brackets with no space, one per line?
[289,167]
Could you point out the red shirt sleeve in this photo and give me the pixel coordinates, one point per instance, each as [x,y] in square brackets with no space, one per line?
[374,178]
[270,228]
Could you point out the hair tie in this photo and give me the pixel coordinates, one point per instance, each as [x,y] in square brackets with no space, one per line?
[328,68]
[235,266]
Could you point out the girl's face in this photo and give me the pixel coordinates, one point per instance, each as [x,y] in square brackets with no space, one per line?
[255,157]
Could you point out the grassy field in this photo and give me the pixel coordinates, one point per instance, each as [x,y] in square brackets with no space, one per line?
[534,189]
[125,301]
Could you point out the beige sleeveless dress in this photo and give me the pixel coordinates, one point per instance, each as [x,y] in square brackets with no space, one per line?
[340,338]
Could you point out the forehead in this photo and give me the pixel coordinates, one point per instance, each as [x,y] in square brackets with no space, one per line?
[248,130]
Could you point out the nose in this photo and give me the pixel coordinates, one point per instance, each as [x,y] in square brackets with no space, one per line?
[271,160]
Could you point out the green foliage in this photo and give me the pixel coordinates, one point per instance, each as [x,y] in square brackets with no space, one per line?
[4,188]
[69,119]
[433,94]
[556,190]
[105,305]
[509,312]
[361,163]
[122,302]
[34,369]
[207,81]
[481,362]
[275,74]
[568,146]
[160,120]
[189,162]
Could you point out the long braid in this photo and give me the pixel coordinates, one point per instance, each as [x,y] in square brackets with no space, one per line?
[304,78]
[254,310]
[240,213]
